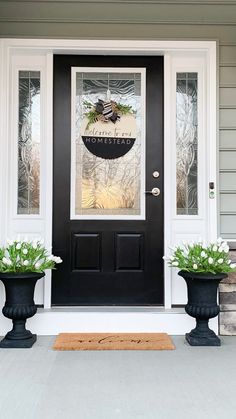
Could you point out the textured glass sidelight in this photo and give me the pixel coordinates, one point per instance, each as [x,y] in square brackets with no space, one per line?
[109,187]
[29,143]
[187,143]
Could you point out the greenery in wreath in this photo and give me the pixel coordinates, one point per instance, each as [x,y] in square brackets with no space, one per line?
[106,111]
[26,256]
[198,257]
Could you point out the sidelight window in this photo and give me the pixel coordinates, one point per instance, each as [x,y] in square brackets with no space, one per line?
[28,199]
[187,143]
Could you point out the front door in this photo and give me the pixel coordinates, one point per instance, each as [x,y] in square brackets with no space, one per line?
[108,157]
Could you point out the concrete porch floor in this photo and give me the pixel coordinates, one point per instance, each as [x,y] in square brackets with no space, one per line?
[195,382]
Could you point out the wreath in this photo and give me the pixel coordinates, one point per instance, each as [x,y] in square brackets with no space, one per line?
[106,111]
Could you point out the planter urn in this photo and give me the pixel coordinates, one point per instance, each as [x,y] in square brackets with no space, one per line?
[19,306]
[202,305]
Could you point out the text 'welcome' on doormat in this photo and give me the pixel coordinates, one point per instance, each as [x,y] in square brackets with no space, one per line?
[113,341]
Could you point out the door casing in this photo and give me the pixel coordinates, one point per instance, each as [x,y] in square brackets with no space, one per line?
[18,53]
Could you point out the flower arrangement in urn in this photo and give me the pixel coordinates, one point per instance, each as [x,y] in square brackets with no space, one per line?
[202,266]
[22,263]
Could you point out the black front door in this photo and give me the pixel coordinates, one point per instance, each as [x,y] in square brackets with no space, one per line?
[107,224]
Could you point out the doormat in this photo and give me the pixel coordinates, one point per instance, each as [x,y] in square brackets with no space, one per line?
[113,341]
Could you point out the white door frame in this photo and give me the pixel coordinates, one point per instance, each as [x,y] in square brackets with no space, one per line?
[178,55]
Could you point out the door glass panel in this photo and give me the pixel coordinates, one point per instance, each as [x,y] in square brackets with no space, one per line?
[108,144]
[29,143]
[187,143]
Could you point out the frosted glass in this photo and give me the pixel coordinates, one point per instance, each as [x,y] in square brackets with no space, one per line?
[186,143]
[107,186]
[29,143]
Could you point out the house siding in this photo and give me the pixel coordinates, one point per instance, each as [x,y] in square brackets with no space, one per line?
[227,142]
[133,19]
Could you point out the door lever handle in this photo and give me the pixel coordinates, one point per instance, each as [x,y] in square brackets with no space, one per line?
[154,192]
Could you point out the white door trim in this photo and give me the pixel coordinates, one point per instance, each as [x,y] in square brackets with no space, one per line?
[46,48]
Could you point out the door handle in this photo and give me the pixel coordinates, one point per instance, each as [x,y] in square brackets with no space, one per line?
[154,192]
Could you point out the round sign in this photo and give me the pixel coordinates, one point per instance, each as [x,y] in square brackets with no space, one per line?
[108,140]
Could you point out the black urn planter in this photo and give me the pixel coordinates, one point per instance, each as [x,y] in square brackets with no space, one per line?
[202,305]
[19,306]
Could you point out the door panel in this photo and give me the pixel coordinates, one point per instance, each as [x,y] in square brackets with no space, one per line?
[111,260]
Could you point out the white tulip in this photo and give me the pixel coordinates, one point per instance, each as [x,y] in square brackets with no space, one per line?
[221,249]
[214,248]
[210,261]
[194,266]
[57,259]
[233,265]
[226,249]
[7,261]
[203,254]
[18,246]
[26,263]
[220,240]
[25,251]
[220,261]
[37,265]
[175,263]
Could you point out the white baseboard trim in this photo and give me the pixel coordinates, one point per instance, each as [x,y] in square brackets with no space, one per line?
[108,319]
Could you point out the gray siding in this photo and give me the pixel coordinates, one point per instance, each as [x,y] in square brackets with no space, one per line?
[205,19]
[227,153]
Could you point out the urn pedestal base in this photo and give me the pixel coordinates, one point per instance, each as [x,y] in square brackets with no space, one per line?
[202,335]
[210,340]
[18,337]
[14,343]
[203,341]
